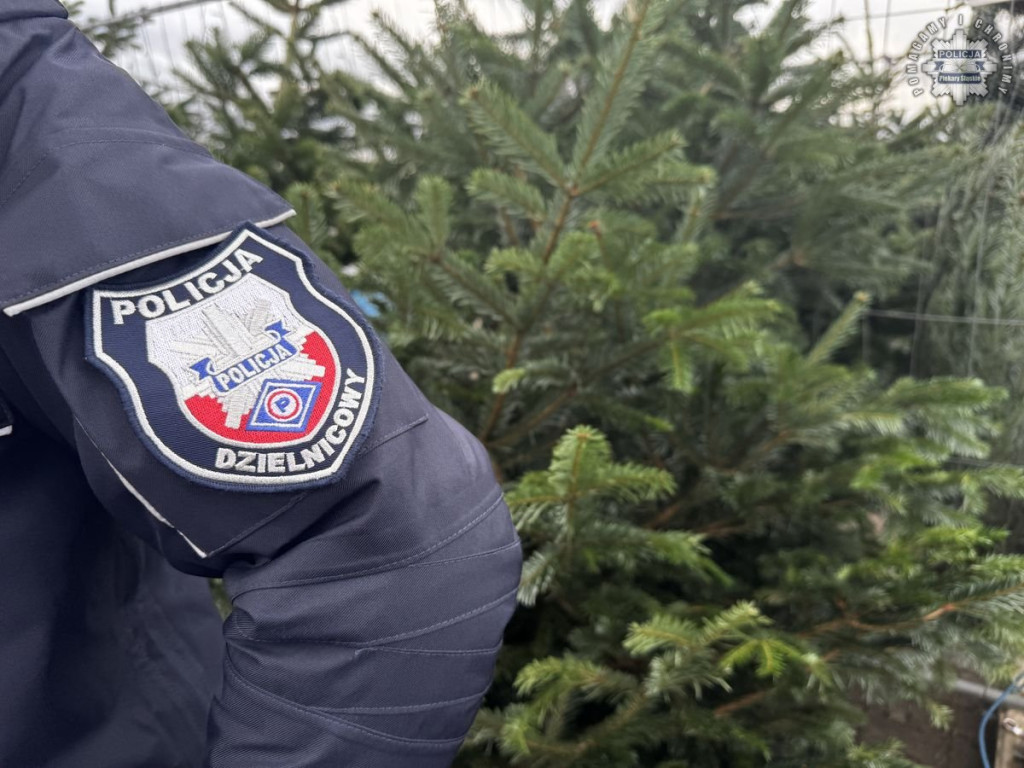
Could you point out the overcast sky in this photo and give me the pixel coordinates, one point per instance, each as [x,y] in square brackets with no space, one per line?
[162,37]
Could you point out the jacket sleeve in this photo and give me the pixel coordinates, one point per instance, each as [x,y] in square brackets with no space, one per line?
[371,561]
[367,610]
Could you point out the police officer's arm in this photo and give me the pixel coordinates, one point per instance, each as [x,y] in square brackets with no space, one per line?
[230,405]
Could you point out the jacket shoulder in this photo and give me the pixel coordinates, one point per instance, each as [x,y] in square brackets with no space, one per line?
[95,179]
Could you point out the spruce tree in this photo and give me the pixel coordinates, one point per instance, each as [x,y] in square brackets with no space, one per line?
[634,262]
[735,539]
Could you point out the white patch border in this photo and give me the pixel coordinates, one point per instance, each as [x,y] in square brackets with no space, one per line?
[133,392]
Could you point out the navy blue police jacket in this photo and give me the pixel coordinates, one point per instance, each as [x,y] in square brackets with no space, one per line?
[187,391]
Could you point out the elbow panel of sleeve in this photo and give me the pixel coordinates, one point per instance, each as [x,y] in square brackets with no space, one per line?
[392,663]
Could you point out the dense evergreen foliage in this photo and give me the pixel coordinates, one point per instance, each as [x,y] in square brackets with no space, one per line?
[635,261]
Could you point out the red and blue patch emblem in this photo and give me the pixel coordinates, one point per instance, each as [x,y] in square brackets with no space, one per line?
[240,373]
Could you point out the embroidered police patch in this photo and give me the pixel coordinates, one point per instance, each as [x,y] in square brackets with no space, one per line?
[240,373]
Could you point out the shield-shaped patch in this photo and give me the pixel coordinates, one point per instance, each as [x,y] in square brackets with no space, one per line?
[241,372]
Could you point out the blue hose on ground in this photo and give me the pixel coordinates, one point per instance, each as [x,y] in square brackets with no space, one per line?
[988,716]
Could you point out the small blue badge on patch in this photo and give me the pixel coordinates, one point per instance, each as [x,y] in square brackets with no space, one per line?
[241,373]
[285,405]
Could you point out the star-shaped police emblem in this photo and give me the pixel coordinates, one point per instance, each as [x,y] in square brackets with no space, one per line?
[959,67]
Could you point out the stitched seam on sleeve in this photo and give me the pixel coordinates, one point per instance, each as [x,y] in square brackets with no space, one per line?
[447,561]
[376,569]
[393,434]
[431,651]
[406,707]
[436,744]
[277,640]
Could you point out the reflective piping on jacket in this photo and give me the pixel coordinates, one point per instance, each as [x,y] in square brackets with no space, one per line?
[6,418]
[152,510]
[120,269]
